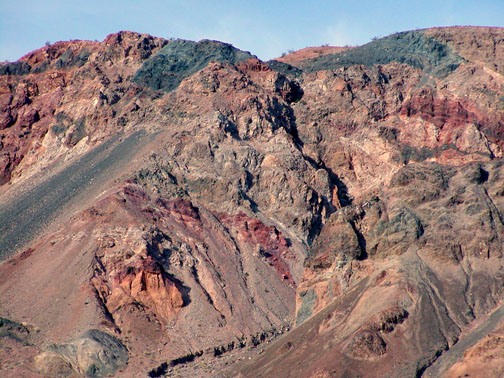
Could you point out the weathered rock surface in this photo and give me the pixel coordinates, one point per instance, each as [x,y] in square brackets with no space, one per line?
[193,201]
[94,354]
[425,268]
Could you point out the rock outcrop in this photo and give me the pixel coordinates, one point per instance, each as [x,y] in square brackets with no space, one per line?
[94,354]
[179,198]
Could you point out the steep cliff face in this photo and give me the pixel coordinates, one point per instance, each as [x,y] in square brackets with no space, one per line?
[191,200]
[413,255]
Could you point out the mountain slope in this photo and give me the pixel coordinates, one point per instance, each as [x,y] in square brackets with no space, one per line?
[192,202]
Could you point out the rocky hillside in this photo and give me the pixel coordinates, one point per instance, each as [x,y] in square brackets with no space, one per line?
[169,207]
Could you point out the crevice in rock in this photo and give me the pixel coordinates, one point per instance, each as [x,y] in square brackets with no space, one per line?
[467,287]
[194,273]
[235,245]
[362,241]
[344,198]
[108,315]
[493,207]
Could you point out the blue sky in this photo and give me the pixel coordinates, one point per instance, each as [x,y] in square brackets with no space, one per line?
[265,28]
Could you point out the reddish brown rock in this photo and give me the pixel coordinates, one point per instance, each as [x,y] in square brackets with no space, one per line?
[267,242]
[297,57]
[147,284]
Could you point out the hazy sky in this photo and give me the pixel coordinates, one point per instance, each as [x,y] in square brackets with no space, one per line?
[264,27]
